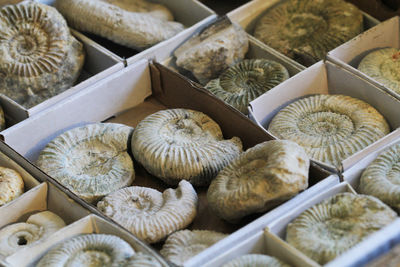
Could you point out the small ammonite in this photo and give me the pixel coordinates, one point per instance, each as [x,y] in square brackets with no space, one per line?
[259,179]
[11,185]
[177,144]
[247,80]
[329,127]
[149,214]
[255,260]
[39,58]
[305,30]
[91,160]
[185,244]
[331,227]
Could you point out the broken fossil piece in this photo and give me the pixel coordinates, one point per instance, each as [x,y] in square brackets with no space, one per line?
[255,260]
[2,119]
[11,185]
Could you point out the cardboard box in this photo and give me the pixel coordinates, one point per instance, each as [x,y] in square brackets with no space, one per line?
[379,9]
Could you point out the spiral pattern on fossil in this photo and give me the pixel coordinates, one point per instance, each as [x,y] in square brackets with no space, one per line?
[91,160]
[329,127]
[178,144]
[247,80]
[305,30]
[255,260]
[149,214]
[331,227]
[11,185]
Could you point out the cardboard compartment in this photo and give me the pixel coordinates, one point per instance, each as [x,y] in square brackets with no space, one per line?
[380,9]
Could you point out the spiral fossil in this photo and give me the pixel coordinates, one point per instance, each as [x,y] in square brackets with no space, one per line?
[11,185]
[255,260]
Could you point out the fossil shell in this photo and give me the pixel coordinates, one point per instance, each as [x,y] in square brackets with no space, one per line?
[329,127]
[255,260]
[142,260]
[185,244]
[91,160]
[149,214]
[247,80]
[19,235]
[305,30]
[11,185]
[2,119]
[262,177]
[132,29]
[209,53]
[331,227]
[178,144]
[39,58]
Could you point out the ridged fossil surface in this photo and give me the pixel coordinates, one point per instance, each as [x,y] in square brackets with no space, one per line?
[247,80]
[90,160]
[11,185]
[255,260]
[305,30]
[149,214]
[331,227]
[329,127]
[177,144]
[209,53]
[2,119]
[262,177]
[132,29]
[39,58]
[185,244]
[19,235]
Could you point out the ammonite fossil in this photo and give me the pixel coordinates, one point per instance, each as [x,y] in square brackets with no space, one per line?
[2,119]
[329,127]
[149,214]
[11,185]
[39,58]
[213,50]
[142,260]
[259,179]
[91,160]
[178,144]
[331,227]
[19,235]
[185,244]
[255,260]
[132,29]
[305,30]
[247,80]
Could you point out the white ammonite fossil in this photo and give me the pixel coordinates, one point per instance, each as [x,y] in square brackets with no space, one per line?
[185,244]
[255,260]
[142,260]
[329,127]
[331,227]
[19,235]
[177,144]
[11,185]
[259,179]
[90,160]
[149,214]
[305,30]
[247,80]
[39,58]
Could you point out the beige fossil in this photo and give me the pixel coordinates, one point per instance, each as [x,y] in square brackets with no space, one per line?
[255,260]
[11,185]
[142,260]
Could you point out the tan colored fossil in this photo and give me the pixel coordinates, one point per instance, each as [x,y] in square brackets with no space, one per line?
[149,214]
[262,177]
[255,260]
[11,185]
[2,119]
[90,160]
[39,58]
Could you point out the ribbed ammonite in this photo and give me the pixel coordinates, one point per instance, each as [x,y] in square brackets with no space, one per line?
[259,179]
[149,214]
[331,227]
[255,260]
[91,160]
[19,235]
[185,244]
[329,127]
[178,144]
[39,58]
[305,30]
[11,185]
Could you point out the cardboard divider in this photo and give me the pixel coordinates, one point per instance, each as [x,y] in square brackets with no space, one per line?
[379,9]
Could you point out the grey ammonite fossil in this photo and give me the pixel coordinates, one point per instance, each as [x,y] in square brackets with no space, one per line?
[11,185]
[259,179]
[336,224]
[305,30]
[255,260]
[39,58]
[329,127]
[177,144]
[247,80]
[150,214]
[90,160]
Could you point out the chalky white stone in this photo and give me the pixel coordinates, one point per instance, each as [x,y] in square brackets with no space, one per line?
[11,185]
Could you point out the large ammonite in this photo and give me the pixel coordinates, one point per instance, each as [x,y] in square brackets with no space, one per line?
[331,227]
[247,80]
[39,58]
[178,144]
[259,179]
[11,185]
[305,30]
[255,260]
[91,160]
[149,214]
[329,127]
